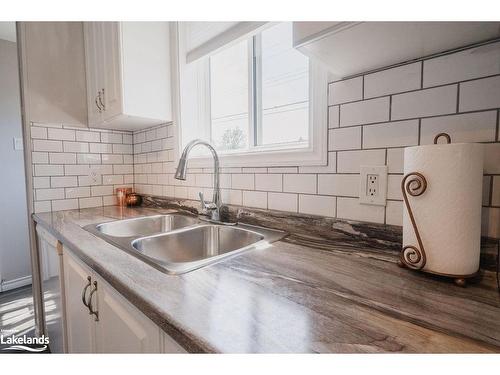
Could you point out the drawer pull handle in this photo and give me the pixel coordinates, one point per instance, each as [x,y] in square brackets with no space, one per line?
[84,292]
[91,311]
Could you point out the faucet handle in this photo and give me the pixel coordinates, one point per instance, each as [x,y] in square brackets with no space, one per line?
[202,200]
[204,205]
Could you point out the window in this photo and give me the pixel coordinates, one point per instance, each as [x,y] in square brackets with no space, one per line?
[259,92]
[258,95]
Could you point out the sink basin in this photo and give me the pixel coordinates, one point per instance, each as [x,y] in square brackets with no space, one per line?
[195,244]
[176,243]
[144,226]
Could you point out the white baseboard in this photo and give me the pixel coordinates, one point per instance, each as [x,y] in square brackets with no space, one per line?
[16,283]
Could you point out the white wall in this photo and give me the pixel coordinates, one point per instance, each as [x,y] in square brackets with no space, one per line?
[14,244]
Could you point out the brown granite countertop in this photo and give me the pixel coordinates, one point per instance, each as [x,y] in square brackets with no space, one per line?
[292,298]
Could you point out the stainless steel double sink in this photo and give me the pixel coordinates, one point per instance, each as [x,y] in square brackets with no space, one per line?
[177,243]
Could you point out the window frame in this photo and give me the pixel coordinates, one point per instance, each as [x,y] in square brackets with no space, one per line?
[314,154]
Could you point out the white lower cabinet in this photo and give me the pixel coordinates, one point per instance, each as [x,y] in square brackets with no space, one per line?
[101,320]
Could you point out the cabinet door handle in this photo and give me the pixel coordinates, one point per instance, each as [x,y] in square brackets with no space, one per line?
[102,101]
[84,292]
[97,102]
[91,311]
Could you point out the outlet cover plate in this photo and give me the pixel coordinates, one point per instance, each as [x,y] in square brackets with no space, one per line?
[373,185]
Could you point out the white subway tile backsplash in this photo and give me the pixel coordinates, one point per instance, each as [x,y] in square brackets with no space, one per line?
[66,181]
[39,157]
[87,136]
[89,159]
[350,161]
[64,204]
[489,222]
[112,179]
[299,183]
[495,194]
[349,208]
[365,112]
[480,94]
[282,201]
[395,160]
[100,148]
[243,181]
[48,194]
[256,199]
[333,116]
[41,182]
[42,206]
[75,147]
[61,134]
[346,185]
[391,81]
[468,127]
[38,132]
[46,145]
[345,91]
[114,159]
[90,202]
[394,213]
[461,66]
[60,181]
[77,192]
[344,139]
[394,186]
[269,182]
[62,158]
[101,190]
[49,170]
[111,138]
[317,205]
[122,149]
[391,134]
[424,103]
[491,158]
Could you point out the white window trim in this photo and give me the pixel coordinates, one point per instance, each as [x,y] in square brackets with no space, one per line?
[314,155]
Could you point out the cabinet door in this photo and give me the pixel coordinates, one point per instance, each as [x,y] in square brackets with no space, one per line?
[110,36]
[121,327]
[94,66]
[79,323]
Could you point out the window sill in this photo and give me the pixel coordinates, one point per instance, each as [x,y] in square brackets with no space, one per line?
[270,158]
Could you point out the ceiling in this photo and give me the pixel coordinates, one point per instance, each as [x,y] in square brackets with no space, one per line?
[8,31]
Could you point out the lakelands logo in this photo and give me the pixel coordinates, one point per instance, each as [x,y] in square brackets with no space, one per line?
[24,343]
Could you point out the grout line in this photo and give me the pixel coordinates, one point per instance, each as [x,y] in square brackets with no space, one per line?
[417,118]
[419,131]
[363,87]
[390,108]
[458,97]
[419,89]
[490,198]
[497,133]
[422,75]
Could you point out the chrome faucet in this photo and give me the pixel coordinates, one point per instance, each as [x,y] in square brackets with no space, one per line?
[212,210]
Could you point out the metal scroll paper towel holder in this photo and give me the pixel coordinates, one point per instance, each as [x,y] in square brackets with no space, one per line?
[442,193]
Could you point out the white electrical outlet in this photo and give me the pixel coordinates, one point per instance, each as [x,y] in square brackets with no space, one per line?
[373,185]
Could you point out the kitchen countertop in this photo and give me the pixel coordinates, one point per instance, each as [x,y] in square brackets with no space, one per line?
[292,298]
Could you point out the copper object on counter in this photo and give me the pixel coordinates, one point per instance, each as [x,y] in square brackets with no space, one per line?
[133,199]
[121,195]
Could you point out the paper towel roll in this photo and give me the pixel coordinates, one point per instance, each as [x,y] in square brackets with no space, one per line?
[448,213]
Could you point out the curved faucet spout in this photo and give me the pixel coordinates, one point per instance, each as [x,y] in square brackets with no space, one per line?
[180,174]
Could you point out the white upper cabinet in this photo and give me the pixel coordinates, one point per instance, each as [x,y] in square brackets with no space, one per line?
[349,48]
[128,74]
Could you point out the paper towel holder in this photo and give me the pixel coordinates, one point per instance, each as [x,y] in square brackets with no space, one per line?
[412,256]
